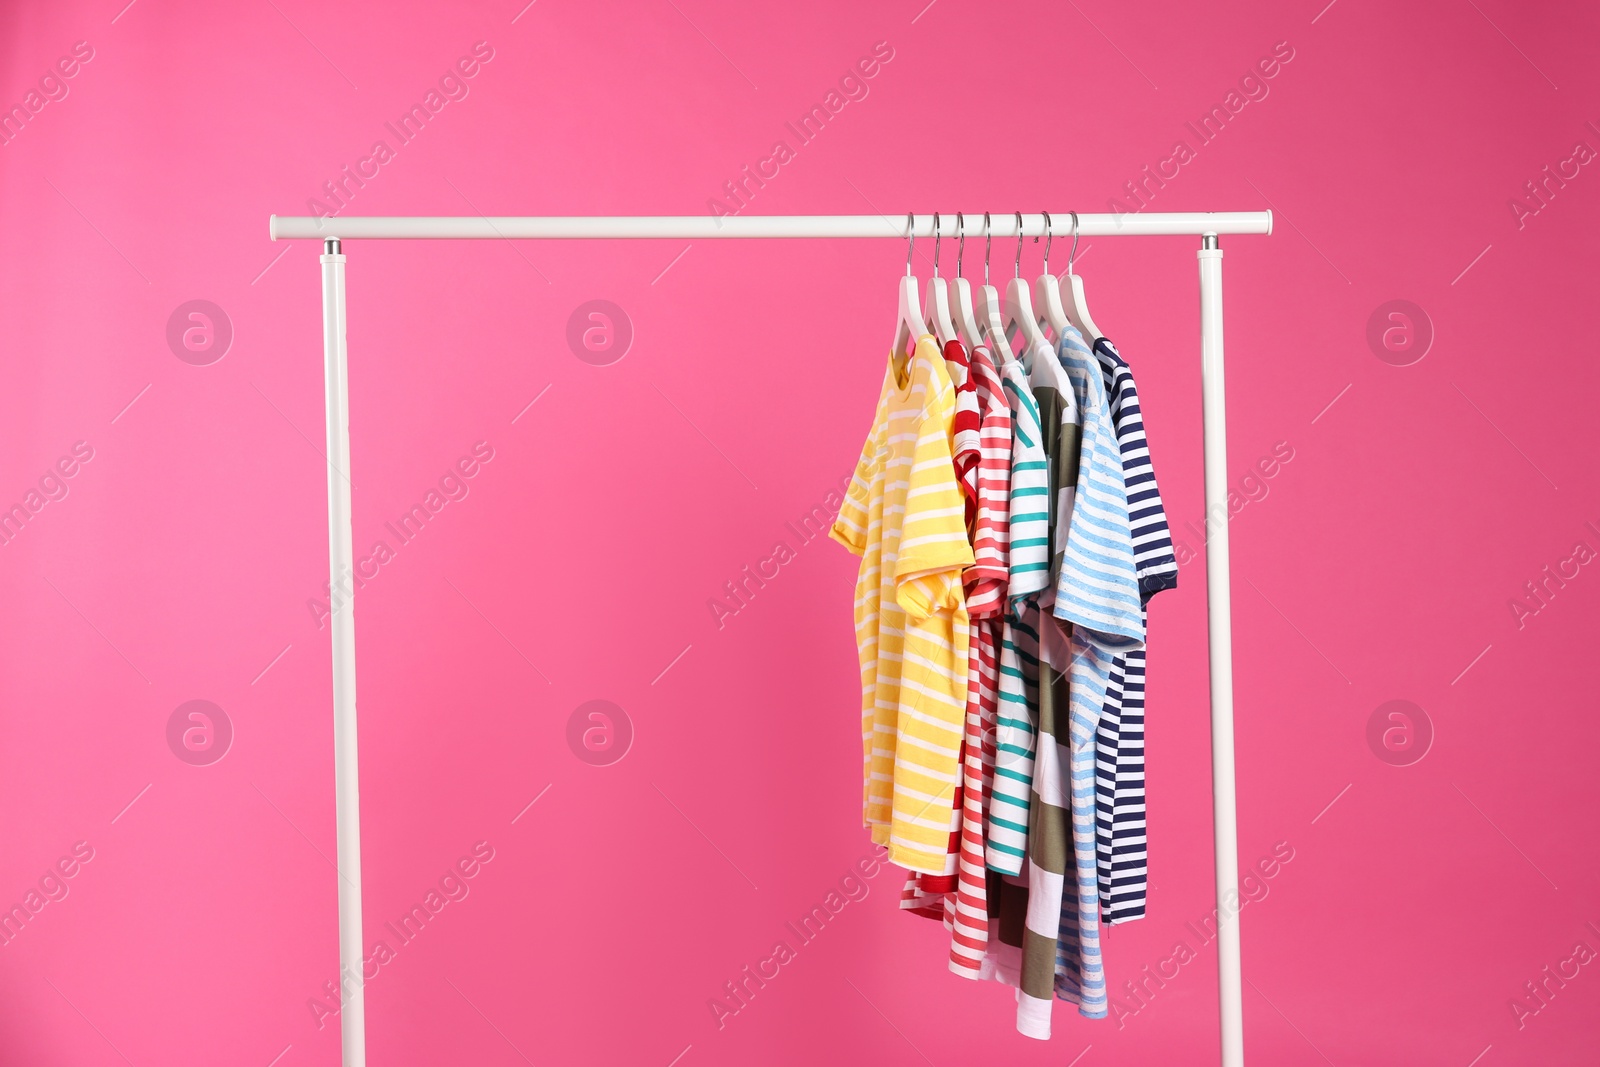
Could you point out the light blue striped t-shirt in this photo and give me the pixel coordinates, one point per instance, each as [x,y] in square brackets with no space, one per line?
[1097,590]
[1097,587]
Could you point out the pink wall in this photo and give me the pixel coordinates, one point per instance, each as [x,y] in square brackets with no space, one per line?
[1381,563]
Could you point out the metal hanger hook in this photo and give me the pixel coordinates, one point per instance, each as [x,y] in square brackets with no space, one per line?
[1072,255]
[961,240]
[911,232]
[988,240]
[1049,236]
[1018,273]
[935,244]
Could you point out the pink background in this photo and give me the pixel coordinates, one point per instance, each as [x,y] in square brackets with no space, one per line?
[1379,565]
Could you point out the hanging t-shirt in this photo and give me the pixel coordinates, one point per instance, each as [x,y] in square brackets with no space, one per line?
[1049,835]
[989,576]
[1097,586]
[1095,591]
[903,515]
[1119,741]
[924,892]
[1029,574]
[967,910]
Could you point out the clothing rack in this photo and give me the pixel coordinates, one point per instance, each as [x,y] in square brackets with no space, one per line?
[333,231]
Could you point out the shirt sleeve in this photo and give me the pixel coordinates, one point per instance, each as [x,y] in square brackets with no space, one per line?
[966,437]
[850,528]
[1152,537]
[933,547]
[1147,516]
[1097,588]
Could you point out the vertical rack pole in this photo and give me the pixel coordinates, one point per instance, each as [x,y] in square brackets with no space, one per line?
[1219,609]
[347,791]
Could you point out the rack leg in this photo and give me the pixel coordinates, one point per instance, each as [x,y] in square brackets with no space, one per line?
[352,1019]
[1224,810]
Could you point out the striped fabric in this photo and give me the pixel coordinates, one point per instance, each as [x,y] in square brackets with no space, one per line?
[1147,518]
[1006,840]
[966,446]
[967,910]
[1080,971]
[1048,860]
[1096,591]
[1120,774]
[1120,822]
[1061,941]
[1059,418]
[903,515]
[1016,735]
[991,540]
[1050,854]
[962,903]
[924,893]
[1107,613]
[1097,587]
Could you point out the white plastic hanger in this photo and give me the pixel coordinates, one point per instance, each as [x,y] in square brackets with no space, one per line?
[910,325]
[1019,307]
[991,316]
[1077,308]
[961,302]
[1047,290]
[937,304]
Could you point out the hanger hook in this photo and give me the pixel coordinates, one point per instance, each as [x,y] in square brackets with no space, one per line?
[961,240]
[988,240]
[935,244]
[911,232]
[1018,272]
[1049,236]
[1072,255]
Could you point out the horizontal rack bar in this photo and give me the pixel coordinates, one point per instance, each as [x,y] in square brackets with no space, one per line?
[696,227]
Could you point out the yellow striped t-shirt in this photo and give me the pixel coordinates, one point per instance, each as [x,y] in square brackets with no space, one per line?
[904,517]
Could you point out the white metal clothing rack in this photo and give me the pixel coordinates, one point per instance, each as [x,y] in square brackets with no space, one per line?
[1206,225]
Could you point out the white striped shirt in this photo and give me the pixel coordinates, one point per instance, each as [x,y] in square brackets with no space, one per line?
[1029,565]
